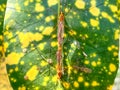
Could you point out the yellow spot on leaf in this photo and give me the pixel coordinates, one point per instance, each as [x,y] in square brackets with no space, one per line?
[93,3]
[43,63]
[39,7]
[26,2]
[32,73]
[52,2]
[109,49]
[22,62]
[53,44]
[22,88]
[54,78]
[66,10]
[94,11]
[80,79]
[84,24]
[94,22]
[17,56]
[98,63]
[93,63]
[39,16]
[86,84]
[46,79]
[76,84]
[49,18]
[107,16]
[47,31]
[26,38]
[41,28]
[17,7]
[54,36]
[72,32]
[66,85]
[110,87]
[112,67]
[117,34]
[95,83]
[86,62]
[113,8]
[80,4]
[115,54]
[37,36]
[11,70]
[41,45]
[16,69]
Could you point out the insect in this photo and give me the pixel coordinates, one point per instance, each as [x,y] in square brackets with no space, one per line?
[60,36]
[51,54]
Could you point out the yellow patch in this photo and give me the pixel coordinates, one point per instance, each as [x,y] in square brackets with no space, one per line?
[39,7]
[28,37]
[32,73]
[86,62]
[16,69]
[109,49]
[86,84]
[80,4]
[112,67]
[113,8]
[93,3]
[98,63]
[117,34]
[72,32]
[95,83]
[46,79]
[66,85]
[53,44]
[38,1]
[110,87]
[47,31]
[54,36]
[22,88]
[93,63]
[13,40]
[11,70]
[17,56]
[37,36]
[94,11]
[17,7]
[115,54]
[22,62]
[41,45]
[52,2]
[39,16]
[80,79]
[26,2]
[41,28]
[76,84]
[43,63]
[107,16]
[66,10]
[1,37]
[84,24]
[54,78]
[49,18]
[94,22]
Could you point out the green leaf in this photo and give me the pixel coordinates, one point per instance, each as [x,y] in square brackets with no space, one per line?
[90,46]
[2,13]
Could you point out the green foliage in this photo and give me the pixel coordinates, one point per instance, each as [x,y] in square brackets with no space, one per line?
[90,52]
[2,13]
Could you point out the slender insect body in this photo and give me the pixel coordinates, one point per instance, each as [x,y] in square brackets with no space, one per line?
[60,36]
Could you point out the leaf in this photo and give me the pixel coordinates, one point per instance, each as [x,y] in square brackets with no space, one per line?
[2,13]
[90,45]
